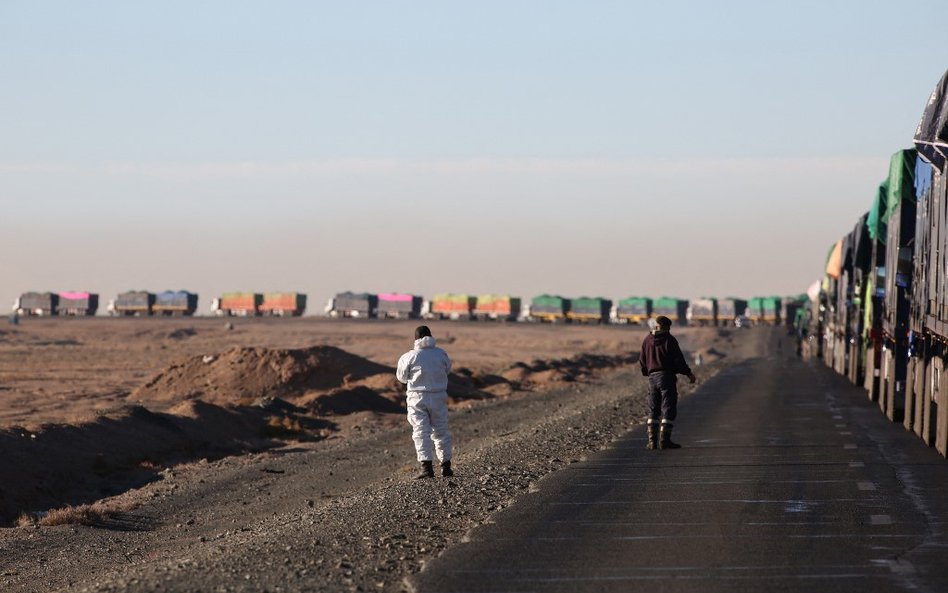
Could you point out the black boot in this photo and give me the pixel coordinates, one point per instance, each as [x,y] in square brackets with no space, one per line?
[446,470]
[666,439]
[652,443]
[427,471]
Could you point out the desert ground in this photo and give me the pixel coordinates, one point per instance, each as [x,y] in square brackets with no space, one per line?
[273,454]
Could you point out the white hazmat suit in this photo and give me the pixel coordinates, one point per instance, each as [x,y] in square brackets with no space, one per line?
[425,369]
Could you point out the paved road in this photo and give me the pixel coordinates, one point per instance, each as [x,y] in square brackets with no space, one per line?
[789,480]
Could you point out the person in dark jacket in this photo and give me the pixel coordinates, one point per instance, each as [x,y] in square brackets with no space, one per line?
[661,361]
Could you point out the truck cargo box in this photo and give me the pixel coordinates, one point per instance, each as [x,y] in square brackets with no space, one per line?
[589,309]
[452,306]
[280,304]
[399,305]
[547,307]
[673,308]
[354,304]
[770,309]
[703,311]
[493,306]
[634,309]
[729,309]
[134,302]
[78,304]
[37,303]
[238,304]
[175,302]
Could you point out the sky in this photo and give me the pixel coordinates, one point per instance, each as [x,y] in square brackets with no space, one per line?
[594,148]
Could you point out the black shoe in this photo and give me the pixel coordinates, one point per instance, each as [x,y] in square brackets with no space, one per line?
[446,471]
[652,443]
[665,442]
[427,471]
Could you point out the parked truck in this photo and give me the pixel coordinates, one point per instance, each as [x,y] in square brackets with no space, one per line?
[396,305]
[763,310]
[671,307]
[237,304]
[353,304]
[175,303]
[283,304]
[636,310]
[133,303]
[703,311]
[589,310]
[78,304]
[549,307]
[39,304]
[451,306]
[729,309]
[497,307]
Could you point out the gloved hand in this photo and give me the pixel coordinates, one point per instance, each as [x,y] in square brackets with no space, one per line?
[692,378]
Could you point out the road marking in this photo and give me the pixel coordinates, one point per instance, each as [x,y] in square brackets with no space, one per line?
[857,464]
[850,446]
[840,426]
[866,486]
[844,433]
[880,520]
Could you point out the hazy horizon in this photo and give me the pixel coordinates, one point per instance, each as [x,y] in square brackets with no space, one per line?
[597,149]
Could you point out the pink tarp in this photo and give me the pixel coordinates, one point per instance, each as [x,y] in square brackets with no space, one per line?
[395,296]
[74,296]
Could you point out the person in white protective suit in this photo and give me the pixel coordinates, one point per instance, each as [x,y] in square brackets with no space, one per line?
[425,369]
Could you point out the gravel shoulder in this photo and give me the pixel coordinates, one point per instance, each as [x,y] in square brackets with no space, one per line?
[342,514]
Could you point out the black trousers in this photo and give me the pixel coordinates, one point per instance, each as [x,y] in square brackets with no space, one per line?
[662,397]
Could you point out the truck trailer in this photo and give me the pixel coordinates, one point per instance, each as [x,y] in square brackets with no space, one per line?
[39,304]
[237,304]
[451,306]
[133,303]
[175,303]
[636,310]
[78,304]
[497,307]
[395,305]
[283,304]
[589,310]
[703,311]
[548,307]
[353,304]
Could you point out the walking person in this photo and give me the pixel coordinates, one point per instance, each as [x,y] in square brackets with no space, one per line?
[661,361]
[425,370]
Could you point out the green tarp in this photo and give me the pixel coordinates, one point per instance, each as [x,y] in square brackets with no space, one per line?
[898,186]
[879,209]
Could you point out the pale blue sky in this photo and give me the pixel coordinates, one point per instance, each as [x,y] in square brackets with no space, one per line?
[518,146]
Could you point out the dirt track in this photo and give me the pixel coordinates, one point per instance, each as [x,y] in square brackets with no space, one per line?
[342,513]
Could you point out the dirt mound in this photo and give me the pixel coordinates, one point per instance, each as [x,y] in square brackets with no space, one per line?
[242,375]
[350,401]
[80,463]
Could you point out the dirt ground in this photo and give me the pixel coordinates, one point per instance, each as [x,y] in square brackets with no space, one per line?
[70,370]
[275,455]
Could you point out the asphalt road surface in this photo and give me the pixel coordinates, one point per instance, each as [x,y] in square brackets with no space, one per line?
[789,479]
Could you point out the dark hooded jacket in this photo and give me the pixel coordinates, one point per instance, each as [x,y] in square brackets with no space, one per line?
[661,353]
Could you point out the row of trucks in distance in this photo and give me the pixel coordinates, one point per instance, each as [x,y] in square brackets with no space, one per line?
[707,311]
[543,308]
[879,313]
[142,303]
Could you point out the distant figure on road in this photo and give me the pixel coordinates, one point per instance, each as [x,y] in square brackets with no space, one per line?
[425,369]
[661,361]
